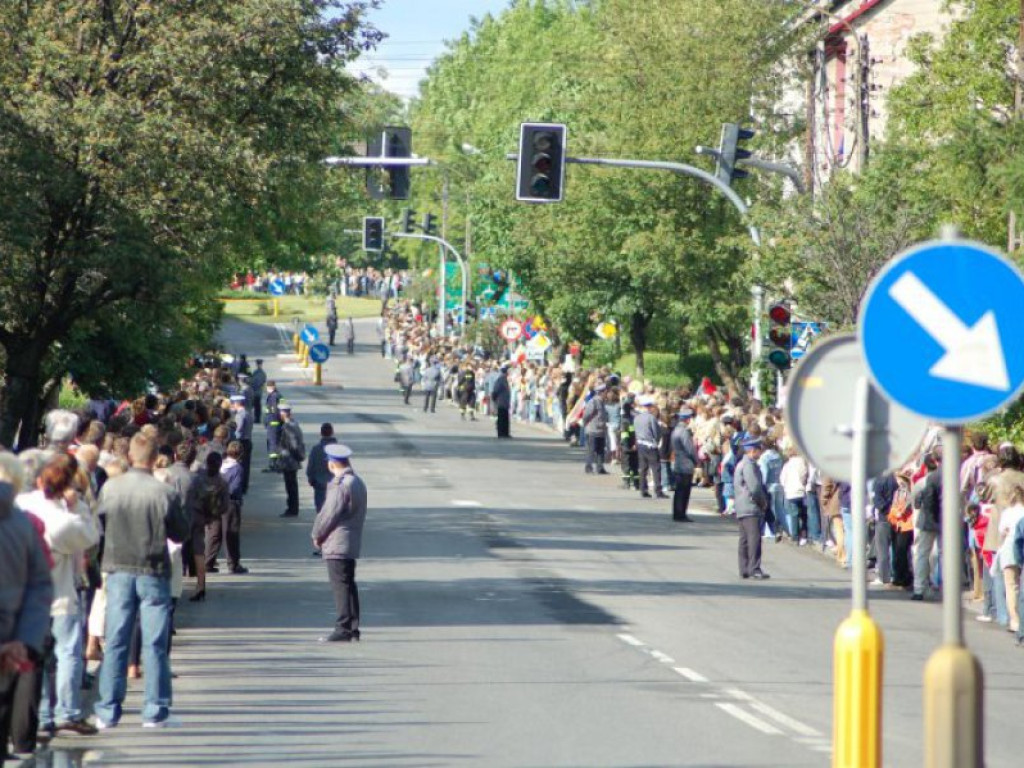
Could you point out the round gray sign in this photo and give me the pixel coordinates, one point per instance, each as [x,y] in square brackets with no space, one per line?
[819,410]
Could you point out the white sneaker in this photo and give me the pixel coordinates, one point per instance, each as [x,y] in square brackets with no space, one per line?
[168,722]
[984,618]
[103,725]
[877,583]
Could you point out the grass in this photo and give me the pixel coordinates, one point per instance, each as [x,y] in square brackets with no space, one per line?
[260,310]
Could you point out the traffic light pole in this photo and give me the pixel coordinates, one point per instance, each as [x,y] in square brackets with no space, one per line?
[441,279]
[680,168]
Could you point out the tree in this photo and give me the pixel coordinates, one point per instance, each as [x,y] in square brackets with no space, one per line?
[646,81]
[145,149]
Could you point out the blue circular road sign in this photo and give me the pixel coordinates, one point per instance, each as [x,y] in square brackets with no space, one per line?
[277,287]
[942,331]
[319,353]
[310,334]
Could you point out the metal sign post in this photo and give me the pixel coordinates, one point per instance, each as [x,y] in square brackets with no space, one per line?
[943,335]
[842,424]
[444,244]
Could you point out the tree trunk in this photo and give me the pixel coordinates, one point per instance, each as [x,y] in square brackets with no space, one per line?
[22,413]
[722,366]
[638,335]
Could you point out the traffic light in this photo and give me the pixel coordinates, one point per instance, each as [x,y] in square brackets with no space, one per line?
[429,224]
[780,335]
[730,152]
[389,182]
[540,174]
[373,233]
[405,223]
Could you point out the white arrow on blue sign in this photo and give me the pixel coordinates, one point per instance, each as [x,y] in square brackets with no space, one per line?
[310,335]
[319,353]
[942,330]
[277,287]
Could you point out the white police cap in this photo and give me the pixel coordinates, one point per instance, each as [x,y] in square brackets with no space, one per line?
[338,452]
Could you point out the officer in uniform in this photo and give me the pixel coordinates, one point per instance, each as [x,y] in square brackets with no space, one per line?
[338,534]
[292,452]
[242,432]
[258,381]
[629,461]
[245,390]
[684,462]
[501,397]
[648,438]
[317,472]
[332,324]
[751,507]
[272,421]
[465,391]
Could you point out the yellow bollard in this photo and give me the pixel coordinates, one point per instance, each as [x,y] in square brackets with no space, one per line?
[953,708]
[318,380]
[277,309]
[298,341]
[857,705]
[305,355]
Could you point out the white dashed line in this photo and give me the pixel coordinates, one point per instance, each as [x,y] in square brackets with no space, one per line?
[784,720]
[689,674]
[630,640]
[745,717]
[664,658]
[465,503]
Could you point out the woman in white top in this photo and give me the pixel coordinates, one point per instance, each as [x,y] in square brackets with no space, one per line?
[70,529]
[1005,558]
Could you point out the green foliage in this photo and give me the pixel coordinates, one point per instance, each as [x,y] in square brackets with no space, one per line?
[146,151]
[646,81]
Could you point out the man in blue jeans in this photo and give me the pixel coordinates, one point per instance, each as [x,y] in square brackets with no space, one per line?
[142,514]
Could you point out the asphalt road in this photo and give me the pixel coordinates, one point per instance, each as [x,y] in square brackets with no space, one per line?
[517,612]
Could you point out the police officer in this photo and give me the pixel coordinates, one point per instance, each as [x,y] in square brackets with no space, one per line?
[338,533]
[595,425]
[242,432]
[465,391]
[292,452]
[272,421]
[648,437]
[684,462]
[332,324]
[501,397]
[258,381]
[751,508]
[629,461]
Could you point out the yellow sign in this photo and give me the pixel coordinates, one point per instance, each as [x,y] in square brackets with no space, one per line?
[606,330]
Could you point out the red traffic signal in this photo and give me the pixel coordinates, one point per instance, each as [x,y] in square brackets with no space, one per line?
[780,313]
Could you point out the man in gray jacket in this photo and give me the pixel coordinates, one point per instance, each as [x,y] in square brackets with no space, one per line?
[648,438]
[595,426]
[26,592]
[751,506]
[431,383]
[141,515]
[338,534]
[684,462]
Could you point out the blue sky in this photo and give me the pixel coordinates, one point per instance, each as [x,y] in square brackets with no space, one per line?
[416,32]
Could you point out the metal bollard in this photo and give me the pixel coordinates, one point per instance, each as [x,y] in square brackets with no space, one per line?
[318,380]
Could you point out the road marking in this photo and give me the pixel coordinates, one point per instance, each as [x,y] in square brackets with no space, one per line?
[783,719]
[465,503]
[745,717]
[689,674]
[796,730]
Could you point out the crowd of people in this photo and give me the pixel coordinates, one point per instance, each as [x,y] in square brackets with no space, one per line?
[101,526]
[295,283]
[368,281]
[665,441]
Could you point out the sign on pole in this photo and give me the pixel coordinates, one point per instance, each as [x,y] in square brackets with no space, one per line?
[277,287]
[319,353]
[310,335]
[511,330]
[819,407]
[942,329]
